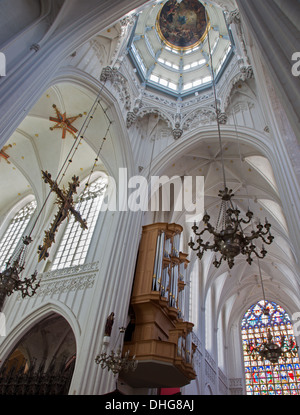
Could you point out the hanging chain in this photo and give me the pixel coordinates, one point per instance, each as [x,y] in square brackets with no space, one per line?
[74,147]
[216,103]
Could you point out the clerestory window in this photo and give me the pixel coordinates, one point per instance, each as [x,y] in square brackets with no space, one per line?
[14,232]
[75,242]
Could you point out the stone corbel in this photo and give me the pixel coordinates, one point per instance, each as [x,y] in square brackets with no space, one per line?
[119,82]
[177,133]
[130,119]
[140,111]
[128,21]
[106,74]
[246,73]
[222,117]
[132,115]
[234,17]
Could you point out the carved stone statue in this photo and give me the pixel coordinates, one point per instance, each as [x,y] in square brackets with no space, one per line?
[109,324]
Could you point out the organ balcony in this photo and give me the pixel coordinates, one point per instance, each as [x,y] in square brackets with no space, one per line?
[158,335]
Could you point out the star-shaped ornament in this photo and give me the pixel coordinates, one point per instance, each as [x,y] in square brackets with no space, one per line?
[64,123]
[3,154]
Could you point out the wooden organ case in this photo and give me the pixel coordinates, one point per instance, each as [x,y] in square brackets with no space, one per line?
[160,338]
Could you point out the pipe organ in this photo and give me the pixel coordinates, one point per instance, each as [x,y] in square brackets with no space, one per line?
[160,338]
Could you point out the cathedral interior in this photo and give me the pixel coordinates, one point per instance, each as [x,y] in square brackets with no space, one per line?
[102,286]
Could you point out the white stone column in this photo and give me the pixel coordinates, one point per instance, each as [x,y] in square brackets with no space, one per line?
[270,48]
[117,247]
[272,28]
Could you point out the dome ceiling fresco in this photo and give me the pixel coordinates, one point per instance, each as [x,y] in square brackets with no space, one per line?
[182,25]
[170,46]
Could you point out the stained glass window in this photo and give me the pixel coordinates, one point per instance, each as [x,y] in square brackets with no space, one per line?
[75,241]
[14,232]
[263,377]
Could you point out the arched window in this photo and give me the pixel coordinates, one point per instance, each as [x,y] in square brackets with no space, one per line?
[75,241]
[262,377]
[14,232]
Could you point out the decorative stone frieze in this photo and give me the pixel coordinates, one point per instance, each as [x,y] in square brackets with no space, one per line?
[75,278]
[200,116]
[236,386]
[210,368]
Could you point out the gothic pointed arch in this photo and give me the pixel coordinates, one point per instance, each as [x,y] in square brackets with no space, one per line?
[42,361]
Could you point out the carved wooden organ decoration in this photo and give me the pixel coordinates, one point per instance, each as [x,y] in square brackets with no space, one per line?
[159,337]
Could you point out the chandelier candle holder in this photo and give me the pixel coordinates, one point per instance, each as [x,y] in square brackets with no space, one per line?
[10,277]
[114,361]
[229,238]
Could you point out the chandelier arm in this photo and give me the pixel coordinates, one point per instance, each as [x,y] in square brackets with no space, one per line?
[209,229]
[26,286]
[265,241]
[201,233]
[250,238]
[261,232]
[207,246]
[248,254]
[258,255]
[204,246]
[246,222]
[239,220]
[255,235]
[217,263]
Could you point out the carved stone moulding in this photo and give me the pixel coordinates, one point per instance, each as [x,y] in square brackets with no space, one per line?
[119,82]
[246,74]
[75,278]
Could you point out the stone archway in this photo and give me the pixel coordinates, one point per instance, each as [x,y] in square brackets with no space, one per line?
[42,362]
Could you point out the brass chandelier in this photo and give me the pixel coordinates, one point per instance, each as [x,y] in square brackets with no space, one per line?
[114,361]
[10,277]
[270,350]
[229,238]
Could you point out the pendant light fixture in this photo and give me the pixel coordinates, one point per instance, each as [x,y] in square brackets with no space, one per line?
[228,236]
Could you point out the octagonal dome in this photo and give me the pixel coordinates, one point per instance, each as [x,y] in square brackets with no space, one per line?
[170,45]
